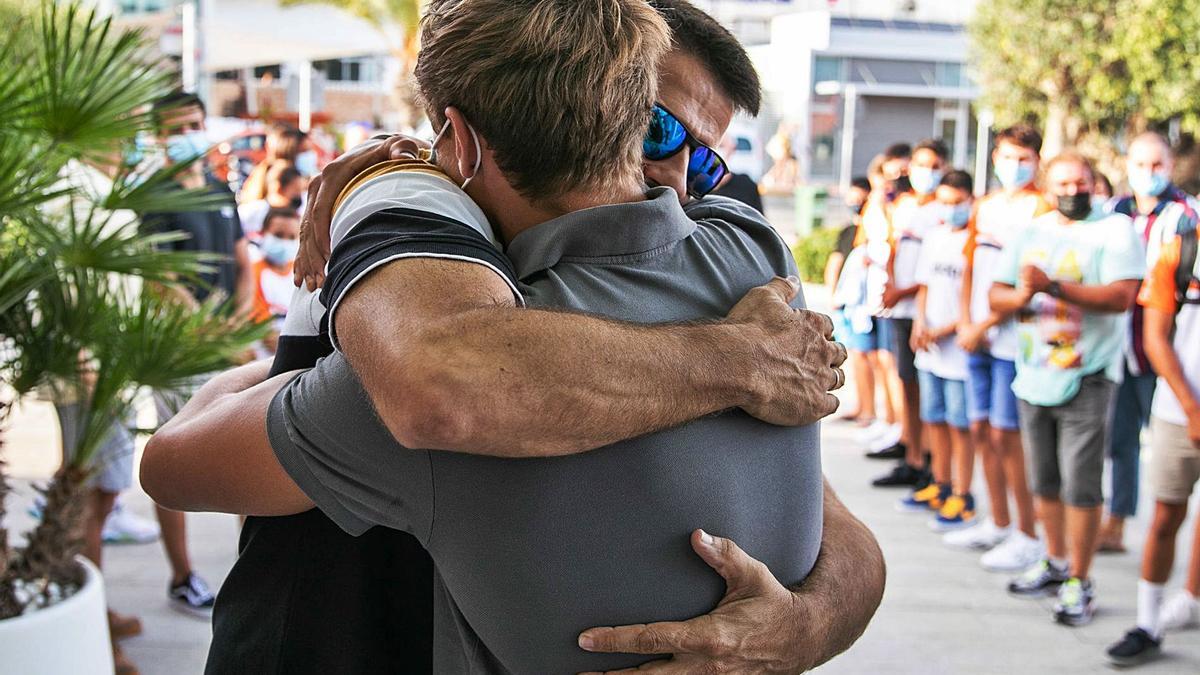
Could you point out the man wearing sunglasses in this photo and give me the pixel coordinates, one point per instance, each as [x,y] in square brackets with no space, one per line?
[814,629]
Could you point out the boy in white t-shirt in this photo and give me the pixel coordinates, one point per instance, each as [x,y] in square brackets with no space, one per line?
[941,364]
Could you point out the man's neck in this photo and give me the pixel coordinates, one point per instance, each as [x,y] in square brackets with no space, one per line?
[1011,193]
[517,215]
[1146,203]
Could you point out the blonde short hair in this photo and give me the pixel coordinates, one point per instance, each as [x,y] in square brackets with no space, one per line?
[561,89]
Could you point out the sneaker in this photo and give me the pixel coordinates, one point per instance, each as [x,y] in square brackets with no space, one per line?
[889,438]
[982,536]
[1018,552]
[192,597]
[901,476]
[929,498]
[875,429]
[126,527]
[1076,603]
[897,451]
[1136,648]
[1040,580]
[1180,611]
[958,512]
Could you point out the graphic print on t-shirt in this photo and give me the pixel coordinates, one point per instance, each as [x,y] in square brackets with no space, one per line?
[1055,343]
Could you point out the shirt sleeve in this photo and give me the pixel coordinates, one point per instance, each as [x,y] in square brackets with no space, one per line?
[1009,263]
[1158,290]
[1124,257]
[394,234]
[327,436]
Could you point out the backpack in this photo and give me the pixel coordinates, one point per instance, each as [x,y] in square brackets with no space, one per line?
[1186,271]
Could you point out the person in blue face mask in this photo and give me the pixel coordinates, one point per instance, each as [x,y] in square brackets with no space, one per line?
[1159,210]
[273,273]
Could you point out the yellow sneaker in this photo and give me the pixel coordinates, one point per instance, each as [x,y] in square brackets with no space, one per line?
[957,512]
[929,498]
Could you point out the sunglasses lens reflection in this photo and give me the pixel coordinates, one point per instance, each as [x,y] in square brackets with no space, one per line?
[705,171]
[665,136]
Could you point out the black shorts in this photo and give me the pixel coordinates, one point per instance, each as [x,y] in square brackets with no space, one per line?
[902,349]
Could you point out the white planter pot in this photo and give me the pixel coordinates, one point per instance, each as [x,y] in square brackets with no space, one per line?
[69,638]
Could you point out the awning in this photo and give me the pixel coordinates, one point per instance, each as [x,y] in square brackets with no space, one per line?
[245,33]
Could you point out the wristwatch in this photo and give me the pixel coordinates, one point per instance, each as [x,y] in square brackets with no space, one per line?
[1054,289]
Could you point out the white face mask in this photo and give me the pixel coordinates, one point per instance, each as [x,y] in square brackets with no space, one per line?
[433,153]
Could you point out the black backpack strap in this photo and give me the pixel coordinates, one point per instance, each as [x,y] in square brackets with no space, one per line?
[1185,271]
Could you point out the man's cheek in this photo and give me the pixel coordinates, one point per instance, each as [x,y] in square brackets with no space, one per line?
[670,172]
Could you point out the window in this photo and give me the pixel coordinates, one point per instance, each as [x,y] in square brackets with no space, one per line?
[826,69]
[949,75]
[273,71]
[357,69]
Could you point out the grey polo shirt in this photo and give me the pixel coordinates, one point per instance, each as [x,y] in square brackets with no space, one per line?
[530,552]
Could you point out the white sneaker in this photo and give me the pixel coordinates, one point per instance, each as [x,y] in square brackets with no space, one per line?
[1180,611]
[890,436]
[874,430]
[981,537]
[126,527]
[1018,552]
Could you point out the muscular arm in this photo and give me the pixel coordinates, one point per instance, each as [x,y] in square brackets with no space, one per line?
[1007,299]
[451,364]
[214,455]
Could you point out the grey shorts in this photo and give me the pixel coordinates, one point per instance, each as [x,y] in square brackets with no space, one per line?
[1175,466]
[168,403]
[1065,444]
[113,462]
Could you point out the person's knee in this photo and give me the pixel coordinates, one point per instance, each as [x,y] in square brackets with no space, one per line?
[1168,518]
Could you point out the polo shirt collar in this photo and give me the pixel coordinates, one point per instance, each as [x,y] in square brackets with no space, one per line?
[602,232]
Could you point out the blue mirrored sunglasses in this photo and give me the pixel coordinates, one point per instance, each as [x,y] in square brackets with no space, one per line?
[667,136]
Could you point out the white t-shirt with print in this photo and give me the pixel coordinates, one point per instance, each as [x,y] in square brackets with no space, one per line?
[940,270]
[911,222]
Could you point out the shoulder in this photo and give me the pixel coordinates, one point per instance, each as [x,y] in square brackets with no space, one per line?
[733,225]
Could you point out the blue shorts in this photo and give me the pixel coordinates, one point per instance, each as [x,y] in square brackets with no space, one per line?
[990,396]
[870,341]
[943,401]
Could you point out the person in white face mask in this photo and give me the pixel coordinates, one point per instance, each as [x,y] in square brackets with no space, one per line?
[273,284]
[1159,210]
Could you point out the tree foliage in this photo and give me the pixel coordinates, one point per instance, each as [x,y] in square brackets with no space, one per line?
[1089,70]
[74,320]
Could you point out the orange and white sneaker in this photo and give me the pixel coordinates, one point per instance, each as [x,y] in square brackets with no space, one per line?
[956,513]
[929,498]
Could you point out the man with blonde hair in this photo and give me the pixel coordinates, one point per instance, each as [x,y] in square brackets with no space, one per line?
[390,303]
[1069,277]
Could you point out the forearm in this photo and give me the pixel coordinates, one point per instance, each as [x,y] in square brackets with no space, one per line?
[521,382]
[1006,300]
[1112,298]
[846,585]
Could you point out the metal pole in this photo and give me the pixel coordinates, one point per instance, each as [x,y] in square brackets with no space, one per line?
[983,144]
[304,105]
[962,132]
[849,114]
[188,60]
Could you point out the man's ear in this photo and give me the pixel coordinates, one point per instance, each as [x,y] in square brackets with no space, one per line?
[466,144]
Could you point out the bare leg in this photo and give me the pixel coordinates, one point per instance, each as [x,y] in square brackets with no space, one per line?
[964,460]
[993,471]
[1193,577]
[912,421]
[864,384]
[1159,556]
[1050,512]
[939,447]
[1012,458]
[174,537]
[1083,526]
[886,378]
[99,505]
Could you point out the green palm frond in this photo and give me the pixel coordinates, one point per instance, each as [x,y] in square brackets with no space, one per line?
[92,88]
[156,191]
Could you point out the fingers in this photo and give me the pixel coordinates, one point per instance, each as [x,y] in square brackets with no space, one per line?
[779,288]
[840,354]
[668,637]
[661,667]
[740,571]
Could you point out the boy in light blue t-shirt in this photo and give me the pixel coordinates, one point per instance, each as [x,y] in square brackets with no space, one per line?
[1070,277]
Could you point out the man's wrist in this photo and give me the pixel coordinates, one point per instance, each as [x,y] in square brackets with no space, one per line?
[728,368]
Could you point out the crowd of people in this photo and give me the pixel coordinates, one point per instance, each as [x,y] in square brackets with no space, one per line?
[1039,328]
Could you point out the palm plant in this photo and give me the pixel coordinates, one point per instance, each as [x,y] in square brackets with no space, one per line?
[74,93]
